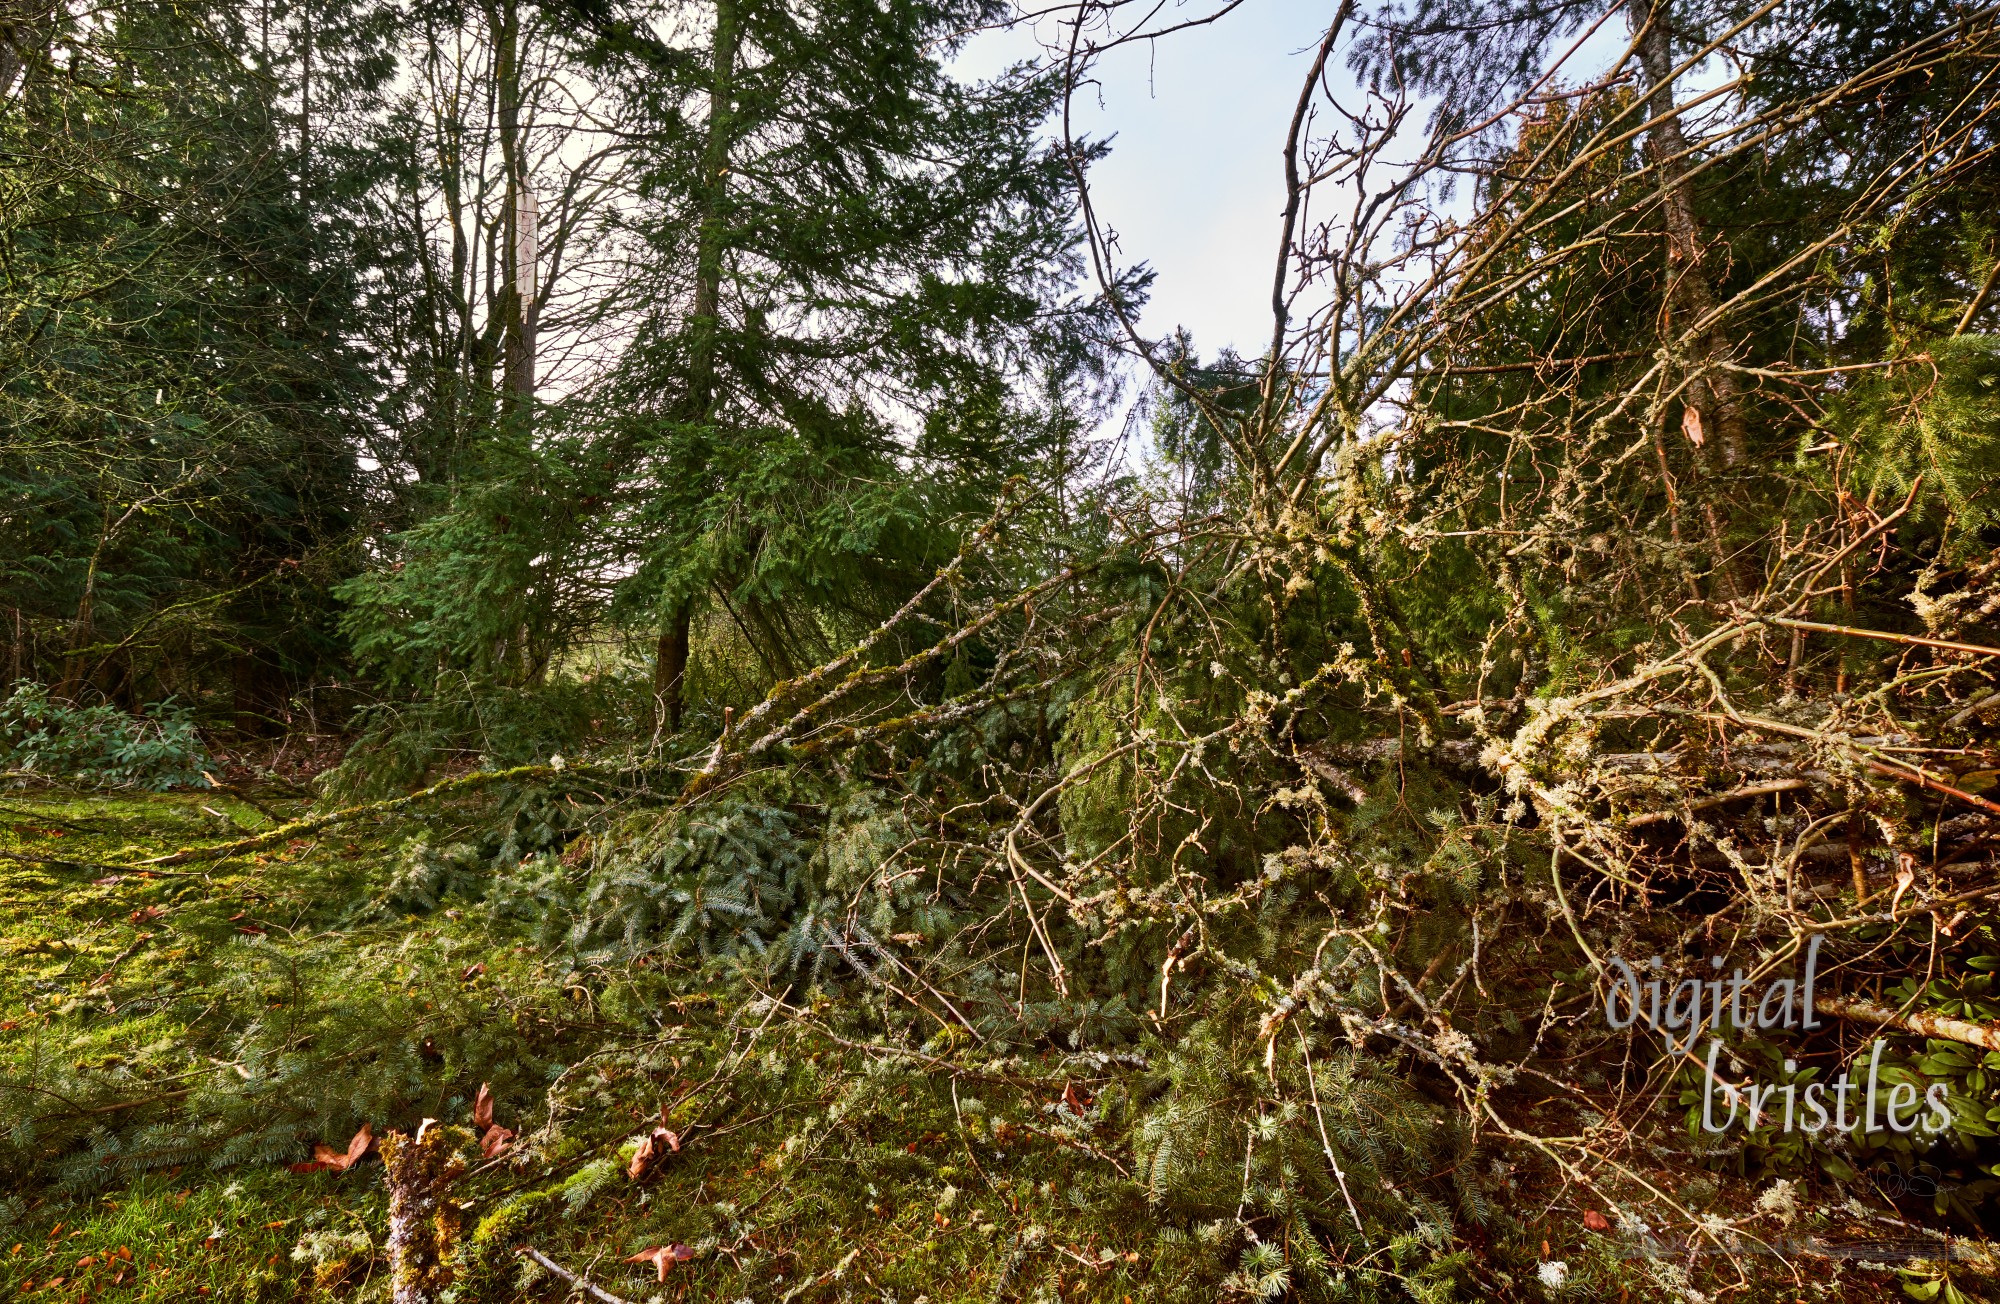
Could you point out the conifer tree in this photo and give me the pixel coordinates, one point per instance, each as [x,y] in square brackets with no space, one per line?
[852,263]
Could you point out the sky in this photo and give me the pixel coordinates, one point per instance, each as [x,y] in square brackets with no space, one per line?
[1194,185]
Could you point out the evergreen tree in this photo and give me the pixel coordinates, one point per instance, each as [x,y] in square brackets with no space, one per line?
[854,269]
[176,476]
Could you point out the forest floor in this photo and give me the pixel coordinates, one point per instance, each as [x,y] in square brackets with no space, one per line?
[773,1205]
[807,1167]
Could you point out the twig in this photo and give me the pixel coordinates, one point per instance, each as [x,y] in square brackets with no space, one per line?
[576,1282]
[1720,799]
[1910,640]
[1326,1145]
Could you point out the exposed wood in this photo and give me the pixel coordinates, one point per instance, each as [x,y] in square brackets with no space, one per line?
[1883,636]
[1920,1025]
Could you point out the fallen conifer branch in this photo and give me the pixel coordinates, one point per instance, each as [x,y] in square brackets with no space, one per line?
[1743,793]
[313,824]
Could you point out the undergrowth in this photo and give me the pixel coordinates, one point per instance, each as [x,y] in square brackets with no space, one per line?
[176,1043]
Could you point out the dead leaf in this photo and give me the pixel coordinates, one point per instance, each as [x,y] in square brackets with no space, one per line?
[495,1141]
[108,880]
[1596,1221]
[663,1257]
[1691,424]
[325,1156]
[1905,877]
[148,915]
[1078,1101]
[659,1144]
[472,972]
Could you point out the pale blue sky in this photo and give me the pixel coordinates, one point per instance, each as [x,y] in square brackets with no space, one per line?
[1194,183]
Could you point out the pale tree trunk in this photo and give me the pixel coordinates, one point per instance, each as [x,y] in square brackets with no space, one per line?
[423,1220]
[517,235]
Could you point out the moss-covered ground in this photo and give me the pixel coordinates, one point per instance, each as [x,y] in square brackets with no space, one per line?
[807,1169]
[166,1157]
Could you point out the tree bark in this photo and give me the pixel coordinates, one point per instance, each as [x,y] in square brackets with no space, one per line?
[1916,1024]
[423,1220]
[713,188]
[670,669]
[517,219]
[24,28]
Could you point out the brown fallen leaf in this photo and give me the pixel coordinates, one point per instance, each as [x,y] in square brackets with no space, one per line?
[657,1145]
[1078,1101]
[493,1139]
[1596,1221]
[663,1257]
[148,914]
[325,1156]
[473,972]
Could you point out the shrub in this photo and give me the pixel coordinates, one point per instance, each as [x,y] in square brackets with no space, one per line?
[100,746]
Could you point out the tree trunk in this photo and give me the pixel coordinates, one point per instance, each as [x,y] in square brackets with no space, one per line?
[423,1221]
[245,697]
[670,669]
[23,31]
[714,184]
[517,218]
[305,105]
[1714,398]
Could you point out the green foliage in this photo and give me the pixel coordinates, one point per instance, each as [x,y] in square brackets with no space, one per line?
[1940,424]
[100,745]
[176,462]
